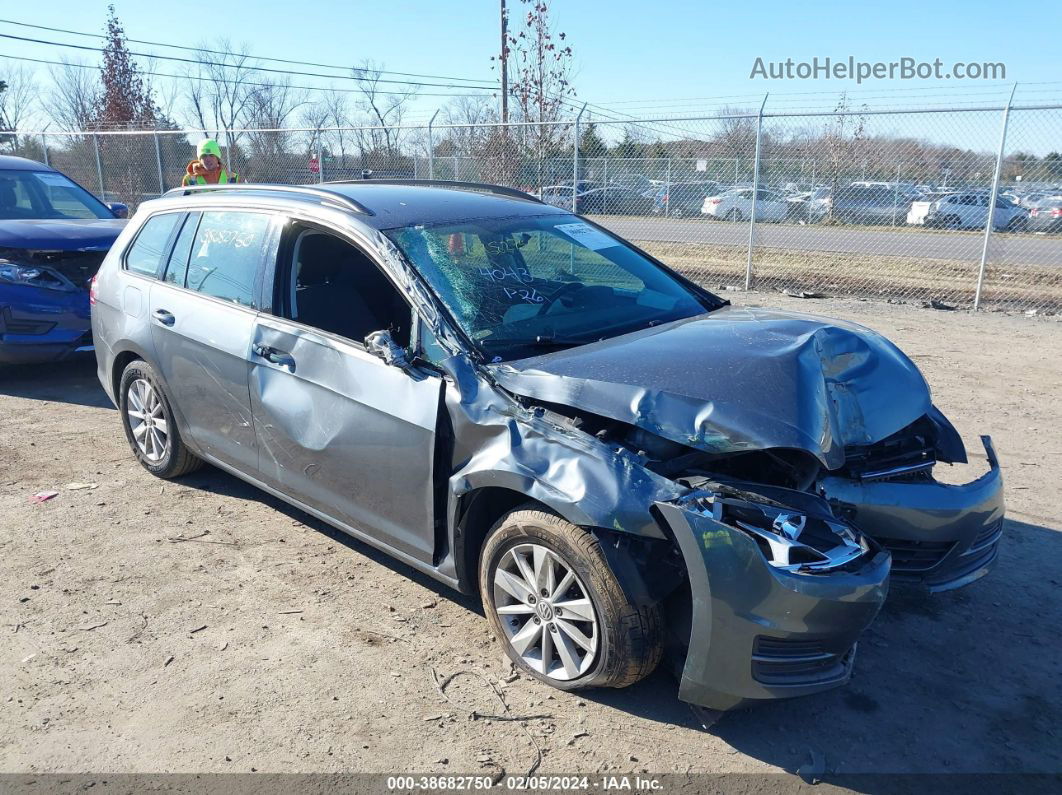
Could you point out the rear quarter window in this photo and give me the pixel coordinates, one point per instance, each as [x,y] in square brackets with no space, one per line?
[145,254]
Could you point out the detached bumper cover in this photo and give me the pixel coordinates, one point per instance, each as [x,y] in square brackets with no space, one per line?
[940,535]
[759,632]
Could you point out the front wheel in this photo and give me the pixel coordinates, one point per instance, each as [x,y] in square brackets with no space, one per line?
[555,604]
[149,425]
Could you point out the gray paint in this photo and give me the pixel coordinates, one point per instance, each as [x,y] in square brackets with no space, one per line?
[339,433]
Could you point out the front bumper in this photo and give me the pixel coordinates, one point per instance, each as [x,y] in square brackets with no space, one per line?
[759,632]
[940,535]
[39,325]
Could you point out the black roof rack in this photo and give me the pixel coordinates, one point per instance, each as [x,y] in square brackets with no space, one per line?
[303,190]
[479,187]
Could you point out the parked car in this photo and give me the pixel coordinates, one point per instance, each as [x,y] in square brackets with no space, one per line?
[683,199]
[868,204]
[809,206]
[518,403]
[967,210]
[53,236]
[561,195]
[736,205]
[613,200]
[1046,217]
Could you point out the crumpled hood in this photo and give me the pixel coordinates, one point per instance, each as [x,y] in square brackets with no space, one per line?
[60,234]
[738,379]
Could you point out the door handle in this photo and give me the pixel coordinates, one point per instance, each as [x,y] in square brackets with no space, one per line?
[165,317]
[283,358]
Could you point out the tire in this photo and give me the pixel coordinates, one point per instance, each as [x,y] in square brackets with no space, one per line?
[626,642]
[156,442]
[734,215]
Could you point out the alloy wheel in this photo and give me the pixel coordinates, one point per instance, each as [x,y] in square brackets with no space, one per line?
[546,612]
[147,420]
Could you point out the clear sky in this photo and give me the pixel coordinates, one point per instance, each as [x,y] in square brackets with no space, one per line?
[634,57]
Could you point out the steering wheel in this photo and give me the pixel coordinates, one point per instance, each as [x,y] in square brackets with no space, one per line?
[570,287]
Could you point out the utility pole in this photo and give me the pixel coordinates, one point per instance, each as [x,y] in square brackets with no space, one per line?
[504,64]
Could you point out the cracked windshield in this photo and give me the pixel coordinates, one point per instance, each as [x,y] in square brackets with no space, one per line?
[522,286]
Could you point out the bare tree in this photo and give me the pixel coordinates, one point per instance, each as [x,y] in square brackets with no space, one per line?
[217,92]
[74,95]
[269,108]
[18,97]
[384,109]
[737,133]
[843,138]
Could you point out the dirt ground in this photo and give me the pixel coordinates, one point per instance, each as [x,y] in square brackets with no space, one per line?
[202,626]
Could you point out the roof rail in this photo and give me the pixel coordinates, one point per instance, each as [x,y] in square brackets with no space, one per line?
[302,190]
[480,187]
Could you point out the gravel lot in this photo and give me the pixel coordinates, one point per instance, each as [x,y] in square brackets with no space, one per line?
[201,625]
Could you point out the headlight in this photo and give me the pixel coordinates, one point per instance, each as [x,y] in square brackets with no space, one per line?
[790,540]
[33,276]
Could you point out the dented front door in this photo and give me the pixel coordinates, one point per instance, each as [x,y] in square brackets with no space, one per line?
[344,433]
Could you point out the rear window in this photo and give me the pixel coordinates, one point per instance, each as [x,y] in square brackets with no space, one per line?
[151,243]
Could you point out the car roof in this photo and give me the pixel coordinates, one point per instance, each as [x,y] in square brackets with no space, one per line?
[12,163]
[384,205]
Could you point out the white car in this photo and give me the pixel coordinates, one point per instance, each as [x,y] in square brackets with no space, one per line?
[967,211]
[736,205]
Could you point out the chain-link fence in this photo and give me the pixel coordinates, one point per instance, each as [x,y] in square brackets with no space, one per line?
[959,206]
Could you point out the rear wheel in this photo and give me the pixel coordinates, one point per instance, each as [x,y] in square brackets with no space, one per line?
[149,426]
[555,604]
[734,215]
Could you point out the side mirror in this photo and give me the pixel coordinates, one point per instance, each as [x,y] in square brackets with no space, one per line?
[120,210]
[380,343]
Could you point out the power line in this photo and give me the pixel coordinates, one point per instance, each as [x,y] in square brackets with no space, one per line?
[198,62]
[245,83]
[223,52]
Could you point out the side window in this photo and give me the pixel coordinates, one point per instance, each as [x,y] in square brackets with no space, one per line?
[968,200]
[333,286]
[429,348]
[227,253]
[177,266]
[151,243]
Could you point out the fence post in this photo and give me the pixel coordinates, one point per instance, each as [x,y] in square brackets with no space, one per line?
[431,147]
[575,162]
[895,192]
[320,157]
[755,191]
[158,161]
[44,145]
[99,167]
[667,193]
[992,198]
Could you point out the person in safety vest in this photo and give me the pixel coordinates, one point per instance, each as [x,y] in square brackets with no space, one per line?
[208,169]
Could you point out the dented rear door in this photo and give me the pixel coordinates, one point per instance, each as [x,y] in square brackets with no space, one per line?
[346,434]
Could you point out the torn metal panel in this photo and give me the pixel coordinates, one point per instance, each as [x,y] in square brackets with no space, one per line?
[738,379]
[498,442]
[761,632]
[943,535]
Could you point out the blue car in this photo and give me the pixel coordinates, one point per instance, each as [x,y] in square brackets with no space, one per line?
[53,236]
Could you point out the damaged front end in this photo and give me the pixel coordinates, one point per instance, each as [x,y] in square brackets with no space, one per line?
[941,536]
[44,303]
[780,591]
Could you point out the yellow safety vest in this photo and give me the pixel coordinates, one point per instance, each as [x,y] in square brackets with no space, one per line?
[198,179]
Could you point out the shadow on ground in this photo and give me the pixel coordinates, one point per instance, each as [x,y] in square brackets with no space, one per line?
[967,681]
[71,381]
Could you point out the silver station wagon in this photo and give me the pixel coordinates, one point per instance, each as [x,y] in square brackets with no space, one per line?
[517,402]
